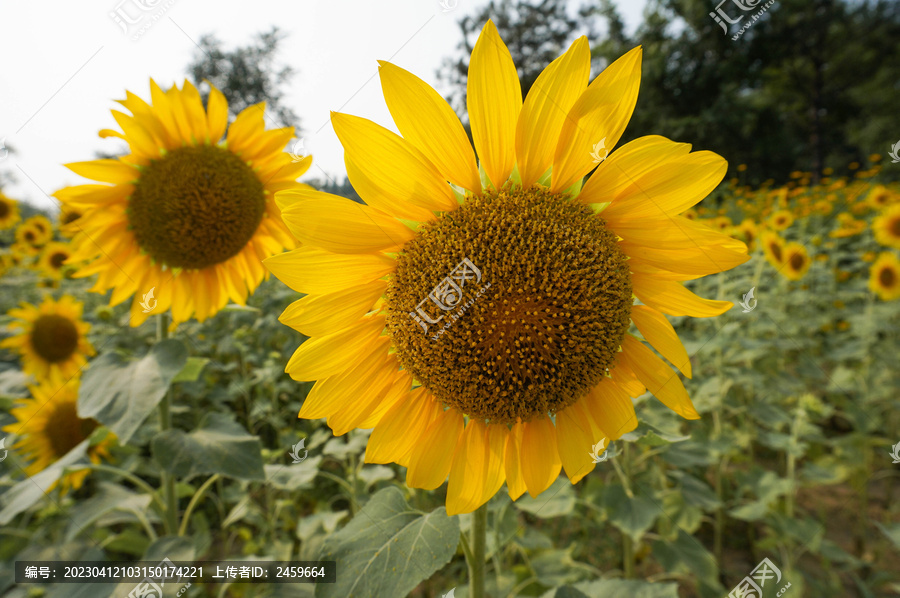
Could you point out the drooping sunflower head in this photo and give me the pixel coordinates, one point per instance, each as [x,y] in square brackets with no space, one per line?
[187,213]
[796,261]
[886,227]
[476,310]
[884,277]
[48,426]
[52,339]
[773,248]
[53,260]
[9,212]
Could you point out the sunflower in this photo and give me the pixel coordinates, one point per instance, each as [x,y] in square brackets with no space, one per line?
[44,229]
[748,231]
[52,341]
[879,197]
[67,216]
[53,259]
[183,213]
[9,212]
[48,427]
[773,248]
[884,277]
[849,226]
[478,318]
[781,220]
[796,261]
[886,227]
[29,238]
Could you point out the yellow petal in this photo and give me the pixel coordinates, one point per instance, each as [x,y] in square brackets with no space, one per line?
[399,388]
[697,260]
[315,315]
[325,356]
[425,119]
[392,164]
[515,483]
[540,460]
[339,224]
[600,114]
[627,380]
[659,377]
[246,128]
[216,114]
[401,427]
[574,439]
[477,471]
[549,100]
[670,297]
[657,331]
[429,464]
[494,99]
[381,199]
[319,272]
[610,408]
[106,171]
[366,396]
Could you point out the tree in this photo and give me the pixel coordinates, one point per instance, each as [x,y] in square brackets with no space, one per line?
[246,75]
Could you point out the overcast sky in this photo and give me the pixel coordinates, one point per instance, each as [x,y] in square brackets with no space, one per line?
[66,62]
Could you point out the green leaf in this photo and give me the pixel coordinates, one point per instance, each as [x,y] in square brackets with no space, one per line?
[120,394]
[892,531]
[218,445]
[633,516]
[555,501]
[294,476]
[109,497]
[569,592]
[620,588]
[191,370]
[27,492]
[686,553]
[388,548]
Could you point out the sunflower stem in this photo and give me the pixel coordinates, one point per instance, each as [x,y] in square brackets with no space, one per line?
[476,554]
[167,482]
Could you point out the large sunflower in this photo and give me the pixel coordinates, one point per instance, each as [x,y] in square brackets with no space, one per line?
[884,277]
[52,340]
[9,212]
[478,320]
[184,213]
[48,427]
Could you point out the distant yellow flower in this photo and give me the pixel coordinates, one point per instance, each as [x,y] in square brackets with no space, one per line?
[68,214]
[849,226]
[796,261]
[517,387]
[30,238]
[48,427]
[854,165]
[781,220]
[9,212]
[773,248]
[722,223]
[185,213]
[53,258]
[886,227]
[828,171]
[52,341]
[875,158]
[884,277]
[748,231]
[742,167]
[42,225]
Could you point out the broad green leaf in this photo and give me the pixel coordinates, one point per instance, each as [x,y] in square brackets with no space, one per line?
[569,592]
[632,516]
[686,553]
[892,531]
[292,477]
[388,548]
[556,567]
[191,370]
[371,474]
[621,588]
[109,497]
[555,501]
[696,491]
[218,445]
[30,490]
[120,394]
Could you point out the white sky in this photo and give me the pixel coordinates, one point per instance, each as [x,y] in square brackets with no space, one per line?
[66,62]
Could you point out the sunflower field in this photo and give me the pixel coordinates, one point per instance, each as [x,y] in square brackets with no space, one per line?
[528,356]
